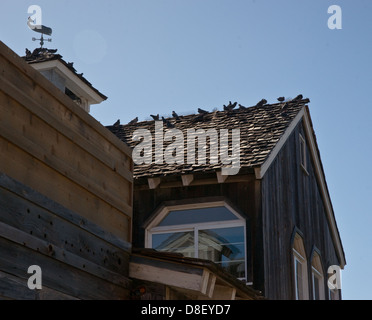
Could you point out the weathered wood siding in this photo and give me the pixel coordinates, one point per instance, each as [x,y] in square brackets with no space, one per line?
[286,198]
[52,148]
[291,198]
[241,195]
[78,259]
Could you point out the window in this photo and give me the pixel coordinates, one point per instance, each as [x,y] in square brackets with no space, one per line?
[316,285]
[332,294]
[303,157]
[317,277]
[300,269]
[211,231]
[298,278]
[72,95]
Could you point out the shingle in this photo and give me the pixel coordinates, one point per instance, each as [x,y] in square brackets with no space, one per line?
[260,130]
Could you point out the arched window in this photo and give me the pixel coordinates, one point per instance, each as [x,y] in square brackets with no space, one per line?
[212,231]
[300,269]
[317,277]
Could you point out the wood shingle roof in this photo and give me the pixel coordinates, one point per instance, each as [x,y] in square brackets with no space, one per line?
[260,126]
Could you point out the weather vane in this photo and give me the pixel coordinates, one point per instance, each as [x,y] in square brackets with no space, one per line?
[40,29]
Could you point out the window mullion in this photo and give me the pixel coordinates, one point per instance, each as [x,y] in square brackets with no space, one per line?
[196,239]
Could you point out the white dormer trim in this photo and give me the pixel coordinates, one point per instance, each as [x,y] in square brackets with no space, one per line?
[73,82]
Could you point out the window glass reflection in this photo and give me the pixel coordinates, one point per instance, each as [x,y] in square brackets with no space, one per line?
[224,246]
[180,242]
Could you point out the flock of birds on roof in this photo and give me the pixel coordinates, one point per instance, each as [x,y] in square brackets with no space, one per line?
[201,113]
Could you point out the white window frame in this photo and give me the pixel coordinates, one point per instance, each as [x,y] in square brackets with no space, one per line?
[301,258]
[297,257]
[332,294]
[316,272]
[152,227]
[319,277]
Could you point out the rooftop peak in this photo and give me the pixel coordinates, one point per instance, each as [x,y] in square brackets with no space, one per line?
[64,76]
[41,54]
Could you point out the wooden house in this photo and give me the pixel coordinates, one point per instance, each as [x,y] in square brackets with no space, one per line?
[251,219]
[65,185]
[270,225]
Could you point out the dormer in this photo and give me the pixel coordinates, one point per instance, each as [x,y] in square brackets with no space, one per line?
[64,76]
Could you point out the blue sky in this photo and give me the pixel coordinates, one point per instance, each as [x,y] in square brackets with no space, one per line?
[155,56]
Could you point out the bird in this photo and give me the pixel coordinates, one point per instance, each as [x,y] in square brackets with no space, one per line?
[226,107]
[281,99]
[241,107]
[261,103]
[28,53]
[199,117]
[175,115]
[134,121]
[299,97]
[117,123]
[230,106]
[156,118]
[202,111]
[167,123]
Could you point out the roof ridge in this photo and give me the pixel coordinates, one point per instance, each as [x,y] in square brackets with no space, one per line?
[233,111]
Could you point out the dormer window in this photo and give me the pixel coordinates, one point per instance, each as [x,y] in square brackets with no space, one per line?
[64,76]
[72,95]
[211,231]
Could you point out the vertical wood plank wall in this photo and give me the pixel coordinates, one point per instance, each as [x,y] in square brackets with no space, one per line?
[291,199]
[286,198]
[65,192]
